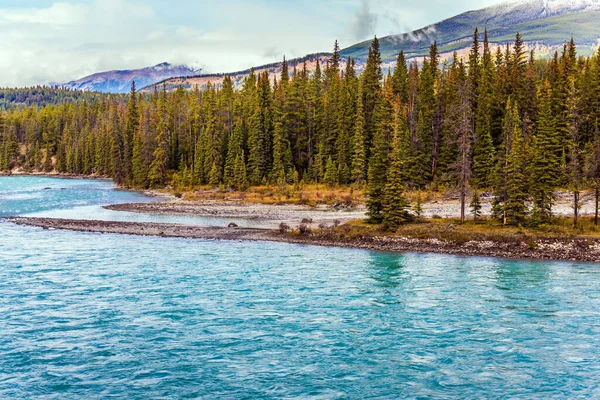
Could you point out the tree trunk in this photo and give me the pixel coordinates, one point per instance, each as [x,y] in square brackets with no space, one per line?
[462,203]
[575,207]
[597,200]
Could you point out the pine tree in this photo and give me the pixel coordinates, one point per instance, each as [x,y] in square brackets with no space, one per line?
[483,148]
[281,165]
[515,208]
[474,70]
[239,171]
[575,170]
[371,85]
[234,150]
[400,78]
[594,171]
[378,162]
[510,187]
[331,173]
[545,165]
[158,168]
[359,163]
[395,205]
[418,208]
[475,205]
[130,132]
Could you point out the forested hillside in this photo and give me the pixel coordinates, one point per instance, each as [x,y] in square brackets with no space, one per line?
[499,120]
[45,95]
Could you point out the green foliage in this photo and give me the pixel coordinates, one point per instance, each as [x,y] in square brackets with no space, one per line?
[475,205]
[518,125]
[546,162]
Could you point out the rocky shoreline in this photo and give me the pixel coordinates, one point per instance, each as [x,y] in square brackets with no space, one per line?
[568,249]
[270,216]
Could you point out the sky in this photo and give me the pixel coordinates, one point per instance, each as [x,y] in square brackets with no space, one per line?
[43,41]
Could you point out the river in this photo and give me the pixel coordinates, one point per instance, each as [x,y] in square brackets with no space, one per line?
[85,315]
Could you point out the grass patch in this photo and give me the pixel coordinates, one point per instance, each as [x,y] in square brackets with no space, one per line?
[310,195]
[451,230]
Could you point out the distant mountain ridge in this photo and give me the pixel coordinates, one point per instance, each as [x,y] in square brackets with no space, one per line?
[119,81]
[545,25]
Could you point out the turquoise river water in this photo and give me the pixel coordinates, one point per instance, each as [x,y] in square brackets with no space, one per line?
[86,315]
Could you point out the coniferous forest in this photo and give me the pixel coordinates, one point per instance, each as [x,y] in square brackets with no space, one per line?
[500,120]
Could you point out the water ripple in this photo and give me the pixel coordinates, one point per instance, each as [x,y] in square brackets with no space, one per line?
[86,315]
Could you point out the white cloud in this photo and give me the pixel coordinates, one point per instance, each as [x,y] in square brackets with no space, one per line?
[73,38]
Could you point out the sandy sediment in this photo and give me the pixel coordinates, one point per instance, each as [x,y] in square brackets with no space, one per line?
[576,249]
[269,215]
[143,228]
[323,214]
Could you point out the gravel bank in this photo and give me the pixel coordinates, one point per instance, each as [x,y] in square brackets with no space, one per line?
[575,249]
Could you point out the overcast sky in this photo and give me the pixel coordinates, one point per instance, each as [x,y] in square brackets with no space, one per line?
[45,41]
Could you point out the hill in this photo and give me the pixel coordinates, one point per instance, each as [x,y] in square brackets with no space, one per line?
[545,25]
[119,81]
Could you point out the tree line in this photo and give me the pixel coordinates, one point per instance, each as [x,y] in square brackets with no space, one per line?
[43,95]
[499,120]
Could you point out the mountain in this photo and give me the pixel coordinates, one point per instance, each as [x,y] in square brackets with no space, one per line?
[545,25]
[272,69]
[120,81]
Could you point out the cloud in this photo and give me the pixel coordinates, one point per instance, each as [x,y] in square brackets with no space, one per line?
[271,52]
[365,22]
[68,39]
[71,39]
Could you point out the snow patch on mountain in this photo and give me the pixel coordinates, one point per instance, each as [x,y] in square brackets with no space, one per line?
[119,81]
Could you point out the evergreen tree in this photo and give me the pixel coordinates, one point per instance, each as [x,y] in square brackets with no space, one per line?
[395,205]
[475,205]
[483,148]
[131,127]
[331,174]
[545,165]
[515,208]
[400,78]
[158,168]
[575,170]
[371,85]
[359,163]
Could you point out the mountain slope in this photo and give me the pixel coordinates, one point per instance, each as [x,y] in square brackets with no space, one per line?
[120,81]
[545,25]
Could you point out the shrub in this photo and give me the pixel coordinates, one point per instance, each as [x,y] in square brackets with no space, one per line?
[283,227]
[303,229]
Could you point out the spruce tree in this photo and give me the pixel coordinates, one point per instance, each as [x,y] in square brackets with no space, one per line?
[378,161]
[575,168]
[371,85]
[515,208]
[131,127]
[483,148]
[545,165]
[395,205]
[400,78]
[359,162]
[158,168]
[475,205]
[331,173]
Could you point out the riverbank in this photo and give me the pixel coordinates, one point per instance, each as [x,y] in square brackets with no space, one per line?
[39,174]
[270,216]
[521,247]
